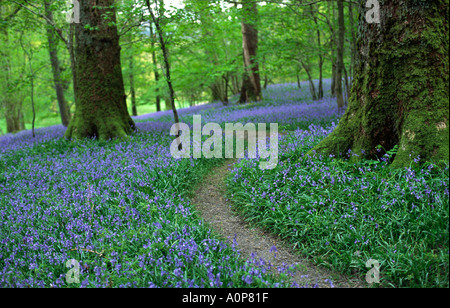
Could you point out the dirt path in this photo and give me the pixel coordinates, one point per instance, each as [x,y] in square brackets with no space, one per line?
[211,202]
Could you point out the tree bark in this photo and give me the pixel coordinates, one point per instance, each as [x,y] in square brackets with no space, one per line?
[333,44]
[401,86]
[219,90]
[319,47]
[251,86]
[101,109]
[340,56]
[132,89]
[73,67]
[165,52]
[64,108]
[297,74]
[333,75]
[353,42]
[155,68]
[312,87]
[11,97]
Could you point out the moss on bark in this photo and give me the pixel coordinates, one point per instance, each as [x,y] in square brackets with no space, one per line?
[101,109]
[400,92]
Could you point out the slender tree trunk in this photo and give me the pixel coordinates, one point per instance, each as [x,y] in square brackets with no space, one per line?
[73,66]
[353,42]
[132,89]
[29,55]
[266,78]
[299,85]
[340,56]
[226,79]
[401,86]
[22,117]
[332,47]
[333,76]
[167,103]
[312,87]
[101,109]
[319,47]
[64,108]
[12,102]
[320,90]
[347,86]
[219,89]
[165,53]
[155,68]
[235,89]
[251,86]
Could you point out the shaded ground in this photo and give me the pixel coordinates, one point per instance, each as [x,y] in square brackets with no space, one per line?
[210,200]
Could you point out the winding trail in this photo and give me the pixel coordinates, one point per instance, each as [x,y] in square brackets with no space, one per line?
[210,200]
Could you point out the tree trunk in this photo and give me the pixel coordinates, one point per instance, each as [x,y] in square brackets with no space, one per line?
[219,90]
[12,123]
[251,86]
[333,76]
[401,86]
[319,46]
[101,109]
[11,97]
[73,66]
[167,103]
[225,100]
[235,84]
[155,68]
[165,53]
[64,109]
[332,47]
[132,89]
[353,42]
[312,87]
[340,56]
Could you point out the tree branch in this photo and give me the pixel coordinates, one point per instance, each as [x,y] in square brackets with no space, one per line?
[49,22]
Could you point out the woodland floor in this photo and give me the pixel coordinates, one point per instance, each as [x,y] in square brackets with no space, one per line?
[210,200]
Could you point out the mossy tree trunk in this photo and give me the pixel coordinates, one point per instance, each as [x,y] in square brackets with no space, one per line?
[400,91]
[101,109]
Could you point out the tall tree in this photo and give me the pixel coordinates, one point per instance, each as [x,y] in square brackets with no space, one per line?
[52,39]
[11,95]
[313,10]
[29,55]
[101,109]
[132,87]
[401,86]
[157,19]
[155,67]
[340,56]
[251,85]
